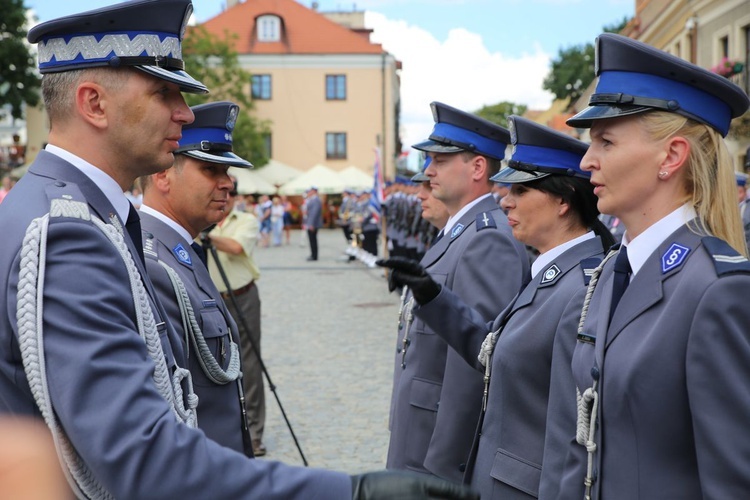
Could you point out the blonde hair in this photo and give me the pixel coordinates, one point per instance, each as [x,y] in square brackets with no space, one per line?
[709,180]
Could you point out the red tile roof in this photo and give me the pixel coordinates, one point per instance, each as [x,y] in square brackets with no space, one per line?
[303,30]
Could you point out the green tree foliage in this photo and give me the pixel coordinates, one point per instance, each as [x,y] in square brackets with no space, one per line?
[573,69]
[499,113]
[214,62]
[19,82]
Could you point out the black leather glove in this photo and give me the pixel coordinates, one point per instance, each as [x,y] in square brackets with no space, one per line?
[403,485]
[408,272]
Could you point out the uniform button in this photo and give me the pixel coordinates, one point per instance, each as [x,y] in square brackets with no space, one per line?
[398,350]
[595,373]
[462,468]
[408,341]
[59,184]
[595,474]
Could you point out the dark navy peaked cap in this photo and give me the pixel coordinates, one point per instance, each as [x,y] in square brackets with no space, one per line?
[144,34]
[540,151]
[209,137]
[457,131]
[635,77]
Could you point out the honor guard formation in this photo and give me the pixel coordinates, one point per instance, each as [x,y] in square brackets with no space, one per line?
[572,322]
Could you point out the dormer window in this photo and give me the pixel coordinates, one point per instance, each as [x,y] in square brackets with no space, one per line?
[269,28]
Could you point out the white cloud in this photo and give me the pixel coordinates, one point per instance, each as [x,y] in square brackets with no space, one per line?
[459,71]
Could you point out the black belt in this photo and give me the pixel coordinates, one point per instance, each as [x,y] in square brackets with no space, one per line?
[239,291]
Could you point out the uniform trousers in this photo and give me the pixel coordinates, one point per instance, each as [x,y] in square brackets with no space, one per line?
[252,373]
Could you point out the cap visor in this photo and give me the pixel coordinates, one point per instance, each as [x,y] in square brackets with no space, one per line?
[420,177]
[436,147]
[223,157]
[585,118]
[186,82]
[512,176]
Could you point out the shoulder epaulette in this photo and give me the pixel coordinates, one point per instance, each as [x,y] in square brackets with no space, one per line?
[726,259]
[150,248]
[485,220]
[66,200]
[588,266]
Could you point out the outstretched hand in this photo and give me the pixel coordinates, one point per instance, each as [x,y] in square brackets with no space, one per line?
[403,485]
[409,272]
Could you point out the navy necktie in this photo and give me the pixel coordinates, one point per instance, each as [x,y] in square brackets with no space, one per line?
[621,279]
[201,253]
[437,237]
[133,227]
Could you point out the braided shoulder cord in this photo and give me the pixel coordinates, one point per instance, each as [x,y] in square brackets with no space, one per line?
[29,317]
[588,402]
[208,363]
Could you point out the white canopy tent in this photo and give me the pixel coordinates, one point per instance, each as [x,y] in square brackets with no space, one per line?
[355,179]
[277,173]
[249,182]
[326,180]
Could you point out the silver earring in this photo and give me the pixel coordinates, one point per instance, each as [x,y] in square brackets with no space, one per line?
[663,174]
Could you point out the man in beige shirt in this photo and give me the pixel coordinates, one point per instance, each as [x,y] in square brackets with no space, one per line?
[235,238]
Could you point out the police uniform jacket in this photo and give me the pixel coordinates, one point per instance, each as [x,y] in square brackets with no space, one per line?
[524,426]
[99,373]
[219,406]
[673,369]
[436,394]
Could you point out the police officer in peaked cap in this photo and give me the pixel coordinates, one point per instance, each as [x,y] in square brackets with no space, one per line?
[178,204]
[477,259]
[662,356]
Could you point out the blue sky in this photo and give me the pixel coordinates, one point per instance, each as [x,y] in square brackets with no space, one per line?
[466,53]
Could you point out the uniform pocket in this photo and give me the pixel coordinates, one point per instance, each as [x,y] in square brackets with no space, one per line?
[517,472]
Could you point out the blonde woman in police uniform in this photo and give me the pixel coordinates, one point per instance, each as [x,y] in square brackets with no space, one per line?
[663,373]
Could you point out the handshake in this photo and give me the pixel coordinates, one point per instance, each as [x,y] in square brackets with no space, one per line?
[410,273]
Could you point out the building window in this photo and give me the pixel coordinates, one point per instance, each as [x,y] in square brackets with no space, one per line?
[269,28]
[724,46]
[336,145]
[261,87]
[268,145]
[335,87]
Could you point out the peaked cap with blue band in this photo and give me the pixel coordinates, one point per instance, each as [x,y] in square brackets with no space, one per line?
[143,34]
[539,151]
[456,131]
[635,77]
[209,137]
[421,176]
[741,178]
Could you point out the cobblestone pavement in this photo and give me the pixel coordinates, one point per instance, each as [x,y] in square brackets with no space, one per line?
[328,339]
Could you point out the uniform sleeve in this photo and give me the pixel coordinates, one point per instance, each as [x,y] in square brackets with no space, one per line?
[462,327]
[100,380]
[718,371]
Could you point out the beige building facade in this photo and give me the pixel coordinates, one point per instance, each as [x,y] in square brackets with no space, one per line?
[702,32]
[330,95]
